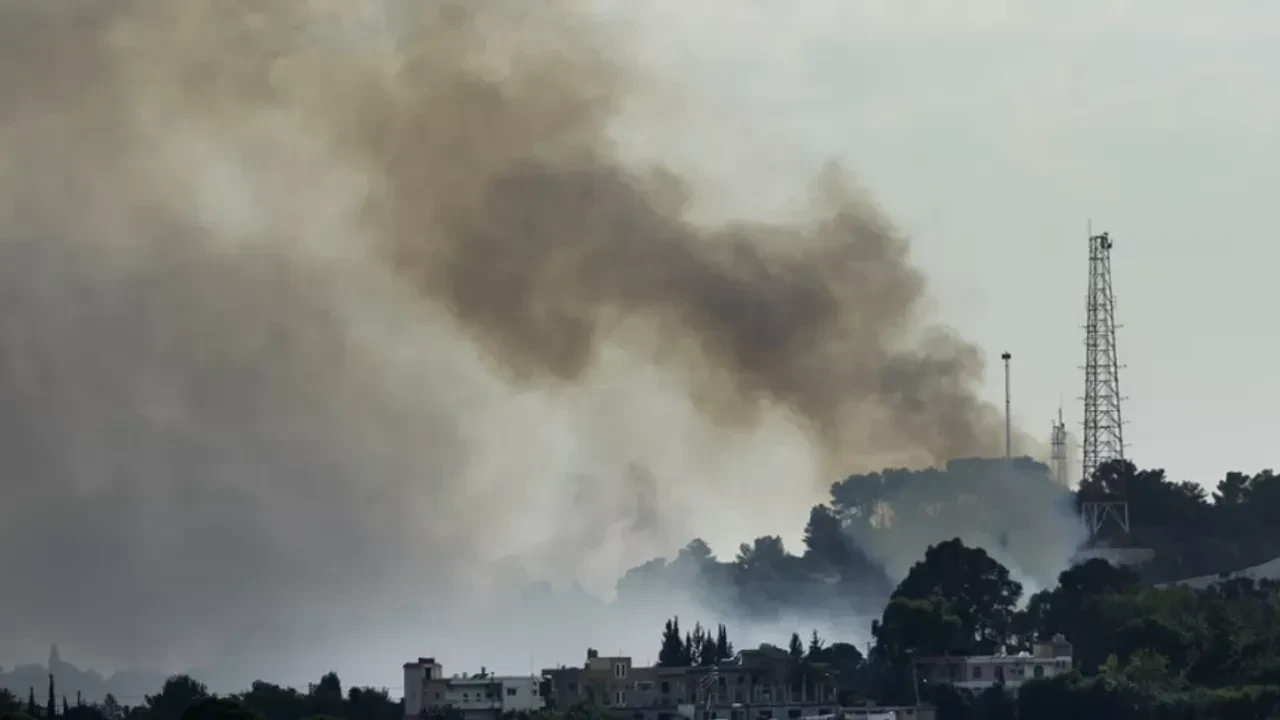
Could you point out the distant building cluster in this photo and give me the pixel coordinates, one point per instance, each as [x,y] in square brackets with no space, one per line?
[979,672]
[759,684]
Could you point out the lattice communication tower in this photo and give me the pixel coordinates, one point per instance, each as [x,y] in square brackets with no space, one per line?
[1058,450]
[1103,439]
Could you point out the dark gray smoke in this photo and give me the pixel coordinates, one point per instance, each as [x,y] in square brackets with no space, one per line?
[315,314]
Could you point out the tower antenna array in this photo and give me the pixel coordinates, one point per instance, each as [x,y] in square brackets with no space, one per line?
[1058,452]
[1103,439]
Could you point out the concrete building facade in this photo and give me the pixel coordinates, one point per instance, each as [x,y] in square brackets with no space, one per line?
[477,697]
[979,672]
[755,685]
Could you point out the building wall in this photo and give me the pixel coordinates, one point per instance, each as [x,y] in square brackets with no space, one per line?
[522,694]
[425,687]
[416,676]
[978,672]
[753,687]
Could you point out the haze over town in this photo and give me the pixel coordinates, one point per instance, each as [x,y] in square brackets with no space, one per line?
[321,358]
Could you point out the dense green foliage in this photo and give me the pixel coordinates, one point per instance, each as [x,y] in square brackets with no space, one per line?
[1021,512]
[1140,651]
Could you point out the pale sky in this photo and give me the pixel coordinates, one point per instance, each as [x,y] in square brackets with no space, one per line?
[992,132]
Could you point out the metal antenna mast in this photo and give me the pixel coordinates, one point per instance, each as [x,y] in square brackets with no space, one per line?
[1058,452]
[1008,413]
[1103,428]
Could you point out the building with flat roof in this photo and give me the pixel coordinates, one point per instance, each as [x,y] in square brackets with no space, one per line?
[979,672]
[755,685]
[482,696]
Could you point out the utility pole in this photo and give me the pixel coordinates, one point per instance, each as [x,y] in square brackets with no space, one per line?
[1008,413]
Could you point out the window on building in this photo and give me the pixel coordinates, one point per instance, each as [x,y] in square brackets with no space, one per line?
[620,671]
[977,672]
[999,673]
[511,692]
[644,685]
[765,715]
[571,687]
[620,698]
[666,688]
[794,713]
[1038,671]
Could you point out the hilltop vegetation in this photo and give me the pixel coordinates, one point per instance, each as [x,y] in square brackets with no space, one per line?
[851,542]
[1140,650]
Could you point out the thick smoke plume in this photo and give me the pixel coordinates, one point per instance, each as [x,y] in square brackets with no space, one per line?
[314,314]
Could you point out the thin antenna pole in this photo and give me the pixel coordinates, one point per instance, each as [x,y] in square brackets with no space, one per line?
[1008,412]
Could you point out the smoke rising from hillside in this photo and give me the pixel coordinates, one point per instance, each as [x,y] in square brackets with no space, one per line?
[312,313]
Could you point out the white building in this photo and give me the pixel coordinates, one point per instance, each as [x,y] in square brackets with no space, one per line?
[416,676]
[478,696]
[979,672]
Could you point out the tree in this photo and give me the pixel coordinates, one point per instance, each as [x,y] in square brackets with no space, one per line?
[179,693]
[274,702]
[849,666]
[825,541]
[702,648]
[724,648]
[918,628]
[372,704]
[329,686]
[51,707]
[8,702]
[796,649]
[210,708]
[995,703]
[815,647]
[84,712]
[326,696]
[32,710]
[974,587]
[1078,608]
[672,653]
[111,707]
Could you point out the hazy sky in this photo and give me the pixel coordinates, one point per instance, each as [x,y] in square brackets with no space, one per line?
[992,131]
